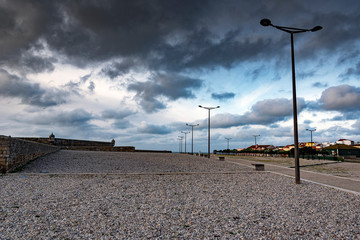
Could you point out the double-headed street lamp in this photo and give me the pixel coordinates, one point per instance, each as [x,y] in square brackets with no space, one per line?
[266,22]
[255,138]
[228,139]
[311,130]
[192,136]
[209,108]
[180,138]
[184,132]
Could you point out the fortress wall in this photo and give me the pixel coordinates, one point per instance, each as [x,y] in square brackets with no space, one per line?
[15,152]
[68,143]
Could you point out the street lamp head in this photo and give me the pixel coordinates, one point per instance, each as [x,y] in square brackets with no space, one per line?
[200,106]
[317,28]
[265,22]
[218,107]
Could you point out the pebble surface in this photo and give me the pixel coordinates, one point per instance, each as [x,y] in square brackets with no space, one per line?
[175,197]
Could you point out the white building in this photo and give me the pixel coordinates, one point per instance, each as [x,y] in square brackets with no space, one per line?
[345,141]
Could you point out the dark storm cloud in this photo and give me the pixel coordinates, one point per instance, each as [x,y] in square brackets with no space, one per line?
[223,96]
[30,63]
[30,93]
[170,86]
[341,98]
[171,34]
[119,68]
[154,129]
[21,25]
[266,112]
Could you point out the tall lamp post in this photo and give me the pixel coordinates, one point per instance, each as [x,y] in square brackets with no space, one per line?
[266,22]
[192,136]
[255,138]
[228,139]
[311,130]
[180,143]
[184,132]
[209,109]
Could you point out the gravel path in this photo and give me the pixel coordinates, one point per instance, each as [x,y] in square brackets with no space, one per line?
[214,202]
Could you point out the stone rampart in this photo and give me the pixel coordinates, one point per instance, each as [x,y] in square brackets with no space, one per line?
[86,145]
[69,143]
[15,152]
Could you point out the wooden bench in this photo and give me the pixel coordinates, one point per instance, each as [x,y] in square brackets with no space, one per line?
[259,166]
[221,158]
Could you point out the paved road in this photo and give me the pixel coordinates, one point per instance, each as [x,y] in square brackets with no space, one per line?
[349,184]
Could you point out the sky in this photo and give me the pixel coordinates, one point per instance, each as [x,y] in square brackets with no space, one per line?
[136,71]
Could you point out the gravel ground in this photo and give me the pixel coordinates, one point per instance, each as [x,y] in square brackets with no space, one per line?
[127,162]
[212,202]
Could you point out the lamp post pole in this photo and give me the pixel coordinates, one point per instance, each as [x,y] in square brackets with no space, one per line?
[266,22]
[228,139]
[184,132]
[180,143]
[192,136]
[311,131]
[209,108]
[255,138]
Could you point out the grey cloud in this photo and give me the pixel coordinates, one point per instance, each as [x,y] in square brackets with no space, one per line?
[170,86]
[77,118]
[121,124]
[29,93]
[154,129]
[352,71]
[223,96]
[266,112]
[341,98]
[119,68]
[320,85]
[91,86]
[112,114]
[29,63]
[356,125]
[347,116]
[85,77]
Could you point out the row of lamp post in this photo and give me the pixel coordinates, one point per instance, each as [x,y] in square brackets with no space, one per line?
[192,132]
[291,30]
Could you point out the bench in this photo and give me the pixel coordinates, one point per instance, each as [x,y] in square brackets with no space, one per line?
[259,166]
[221,158]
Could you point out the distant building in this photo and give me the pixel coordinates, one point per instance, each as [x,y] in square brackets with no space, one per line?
[261,147]
[310,144]
[343,150]
[345,142]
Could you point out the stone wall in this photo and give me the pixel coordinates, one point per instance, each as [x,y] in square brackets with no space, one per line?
[69,143]
[15,152]
[86,145]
